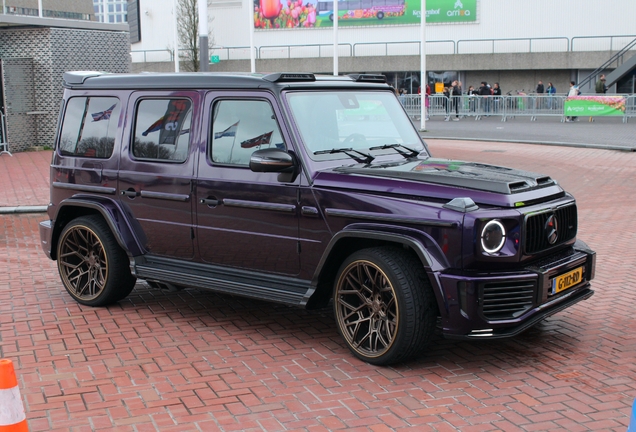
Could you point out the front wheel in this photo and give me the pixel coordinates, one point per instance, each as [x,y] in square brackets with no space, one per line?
[93,267]
[384,305]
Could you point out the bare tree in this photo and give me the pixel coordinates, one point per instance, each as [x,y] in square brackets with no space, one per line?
[188,31]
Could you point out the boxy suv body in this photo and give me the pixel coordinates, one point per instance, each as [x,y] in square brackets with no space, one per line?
[303,190]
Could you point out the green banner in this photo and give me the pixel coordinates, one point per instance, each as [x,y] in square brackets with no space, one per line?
[281,14]
[594,106]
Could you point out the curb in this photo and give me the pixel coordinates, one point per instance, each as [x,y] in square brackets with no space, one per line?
[551,143]
[23,209]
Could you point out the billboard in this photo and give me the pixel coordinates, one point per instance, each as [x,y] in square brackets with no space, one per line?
[281,14]
[594,106]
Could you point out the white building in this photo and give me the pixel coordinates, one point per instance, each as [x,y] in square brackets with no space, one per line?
[513,42]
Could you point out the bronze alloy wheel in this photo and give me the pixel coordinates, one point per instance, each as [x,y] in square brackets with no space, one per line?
[94,268]
[366,308]
[83,263]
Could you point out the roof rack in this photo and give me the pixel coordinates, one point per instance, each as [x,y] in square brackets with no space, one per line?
[286,76]
[378,78]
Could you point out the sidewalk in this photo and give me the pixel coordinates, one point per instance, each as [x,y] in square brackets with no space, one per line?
[604,132]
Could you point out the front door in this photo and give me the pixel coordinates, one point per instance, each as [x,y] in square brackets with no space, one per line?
[245,220]
[156,170]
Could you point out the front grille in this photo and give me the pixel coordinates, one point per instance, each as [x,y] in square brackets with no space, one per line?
[507,300]
[536,238]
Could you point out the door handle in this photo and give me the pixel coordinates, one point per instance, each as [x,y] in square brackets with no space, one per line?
[211,202]
[130,193]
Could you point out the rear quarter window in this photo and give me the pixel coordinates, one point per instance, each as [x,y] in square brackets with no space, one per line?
[162,129]
[89,127]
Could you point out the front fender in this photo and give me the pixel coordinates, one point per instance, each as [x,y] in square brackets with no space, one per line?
[427,250]
[122,227]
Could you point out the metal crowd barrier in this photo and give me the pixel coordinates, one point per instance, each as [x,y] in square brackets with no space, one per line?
[630,108]
[506,107]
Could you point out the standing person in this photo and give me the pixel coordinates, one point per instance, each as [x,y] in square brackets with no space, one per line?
[574,91]
[551,91]
[456,94]
[471,98]
[484,91]
[600,85]
[540,89]
[403,96]
[496,91]
[447,95]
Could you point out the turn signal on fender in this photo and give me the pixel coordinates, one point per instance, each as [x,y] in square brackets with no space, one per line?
[12,416]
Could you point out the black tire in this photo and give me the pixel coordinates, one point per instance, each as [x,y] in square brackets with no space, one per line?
[380,15]
[384,305]
[94,268]
[331,17]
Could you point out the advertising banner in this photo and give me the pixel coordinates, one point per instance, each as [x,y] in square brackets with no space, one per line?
[594,106]
[281,14]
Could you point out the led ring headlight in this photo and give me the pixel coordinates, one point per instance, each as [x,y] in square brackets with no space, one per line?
[493,237]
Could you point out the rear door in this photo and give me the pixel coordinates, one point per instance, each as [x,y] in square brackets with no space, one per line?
[156,168]
[245,220]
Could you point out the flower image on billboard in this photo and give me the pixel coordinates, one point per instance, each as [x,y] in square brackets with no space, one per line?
[281,14]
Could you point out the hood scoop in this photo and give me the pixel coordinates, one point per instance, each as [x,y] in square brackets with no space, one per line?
[489,178]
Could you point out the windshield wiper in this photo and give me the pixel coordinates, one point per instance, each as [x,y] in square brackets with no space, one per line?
[349,152]
[410,154]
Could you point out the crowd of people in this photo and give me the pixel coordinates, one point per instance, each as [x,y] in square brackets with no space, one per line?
[491,105]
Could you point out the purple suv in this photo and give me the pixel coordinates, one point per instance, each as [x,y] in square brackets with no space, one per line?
[303,190]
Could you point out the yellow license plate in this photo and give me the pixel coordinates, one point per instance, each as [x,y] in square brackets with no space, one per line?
[567,280]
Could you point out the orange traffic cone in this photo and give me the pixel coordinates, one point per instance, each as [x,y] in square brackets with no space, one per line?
[12,417]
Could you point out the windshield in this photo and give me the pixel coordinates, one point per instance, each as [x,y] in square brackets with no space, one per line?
[358,120]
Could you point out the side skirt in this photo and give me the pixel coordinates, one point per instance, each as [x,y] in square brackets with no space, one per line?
[260,286]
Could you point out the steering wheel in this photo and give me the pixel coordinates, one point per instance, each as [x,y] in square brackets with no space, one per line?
[355,137]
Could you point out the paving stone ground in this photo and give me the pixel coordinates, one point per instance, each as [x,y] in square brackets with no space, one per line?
[198,361]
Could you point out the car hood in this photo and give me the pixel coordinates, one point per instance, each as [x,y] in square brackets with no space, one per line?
[491,184]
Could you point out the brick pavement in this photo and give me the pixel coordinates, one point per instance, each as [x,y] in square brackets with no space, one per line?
[195,360]
[24,179]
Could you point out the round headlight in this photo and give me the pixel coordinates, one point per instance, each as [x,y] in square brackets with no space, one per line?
[493,237]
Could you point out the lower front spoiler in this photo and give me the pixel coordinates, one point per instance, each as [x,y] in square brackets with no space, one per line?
[540,314]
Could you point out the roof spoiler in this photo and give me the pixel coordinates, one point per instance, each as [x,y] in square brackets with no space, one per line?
[78,77]
[377,78]
[289,77]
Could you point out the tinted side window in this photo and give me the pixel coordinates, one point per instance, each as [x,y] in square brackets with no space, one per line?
[240,127]
[162,129]
[89,127]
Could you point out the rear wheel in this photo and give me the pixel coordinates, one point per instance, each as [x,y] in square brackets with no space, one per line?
[93,267]
[383,305]
[380,15]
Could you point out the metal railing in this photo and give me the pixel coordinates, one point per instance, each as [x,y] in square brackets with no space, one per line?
[364,49]
[618,58]
[302,51]
[403,48]
[516,45]
[506,107]
[599,43]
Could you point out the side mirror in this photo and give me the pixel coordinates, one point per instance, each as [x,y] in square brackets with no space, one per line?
[272,160]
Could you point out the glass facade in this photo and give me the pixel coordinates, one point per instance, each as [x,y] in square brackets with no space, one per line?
[111,11]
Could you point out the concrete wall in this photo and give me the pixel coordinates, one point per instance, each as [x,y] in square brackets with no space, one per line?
[513,71]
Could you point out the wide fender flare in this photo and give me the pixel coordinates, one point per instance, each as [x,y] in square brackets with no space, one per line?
[121,225]
[425,247]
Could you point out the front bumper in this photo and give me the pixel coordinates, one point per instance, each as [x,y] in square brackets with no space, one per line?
[499,305]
